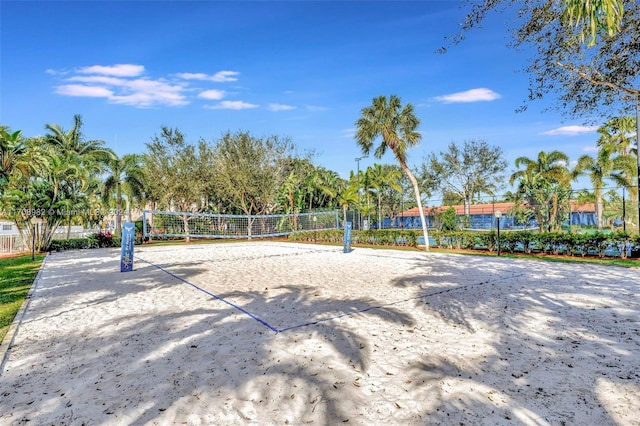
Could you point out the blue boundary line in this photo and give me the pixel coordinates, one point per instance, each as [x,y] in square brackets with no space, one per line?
[215,296]
[335,317]
[359,311]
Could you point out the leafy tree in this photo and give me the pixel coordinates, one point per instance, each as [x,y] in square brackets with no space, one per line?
[448,220]
[396,125]
[586,78]
[250,171]
[592,17]
[179,172]
[450,198]
[473,169]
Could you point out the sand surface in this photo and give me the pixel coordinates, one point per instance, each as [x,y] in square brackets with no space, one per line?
[278,333]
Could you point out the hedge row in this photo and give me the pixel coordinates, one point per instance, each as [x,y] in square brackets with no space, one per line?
[384,237]
[93,241]
[600,244]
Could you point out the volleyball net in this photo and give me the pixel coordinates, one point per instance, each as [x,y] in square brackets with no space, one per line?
[166,224]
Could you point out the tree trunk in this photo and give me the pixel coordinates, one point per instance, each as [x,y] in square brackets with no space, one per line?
[118,209]
[344,215]
[599,211]
[185,221]
[416,190]
[379,211]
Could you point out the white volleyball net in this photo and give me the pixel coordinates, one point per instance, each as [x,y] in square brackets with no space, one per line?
[165,224]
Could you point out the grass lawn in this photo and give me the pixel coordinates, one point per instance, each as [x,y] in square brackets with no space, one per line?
[16,277]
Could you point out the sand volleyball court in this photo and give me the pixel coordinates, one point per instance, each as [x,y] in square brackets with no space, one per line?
[280,333]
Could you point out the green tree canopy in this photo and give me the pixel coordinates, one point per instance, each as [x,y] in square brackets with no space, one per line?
[250,171]
[472,169]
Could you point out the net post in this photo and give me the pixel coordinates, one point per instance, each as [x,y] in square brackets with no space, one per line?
[126,247]
[144,225]
[347,237]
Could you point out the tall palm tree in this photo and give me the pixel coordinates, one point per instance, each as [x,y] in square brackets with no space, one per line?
[88,155]
[396,125]
[122,171]
[618,135]
[598,170]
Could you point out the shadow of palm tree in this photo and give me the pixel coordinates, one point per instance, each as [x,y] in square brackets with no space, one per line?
[534,342]
[148,348]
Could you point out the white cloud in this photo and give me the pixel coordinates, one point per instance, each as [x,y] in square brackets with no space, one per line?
[590,149]
[148,99]
[85,91]
[570,130]
[225,76]
[234,105]
[124,84]
[280,107]
[99,79]
[473,95]
[211,94]
[137,92]
[119,70]
[220,76]
[146,93]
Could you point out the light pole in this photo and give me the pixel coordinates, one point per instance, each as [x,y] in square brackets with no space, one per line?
[358,177]
[34,221]
[498,215]
[624,212]
[638,155]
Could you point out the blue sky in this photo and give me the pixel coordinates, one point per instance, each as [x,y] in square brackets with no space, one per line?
[300,69]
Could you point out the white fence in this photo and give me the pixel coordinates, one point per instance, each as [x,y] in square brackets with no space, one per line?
[11,243]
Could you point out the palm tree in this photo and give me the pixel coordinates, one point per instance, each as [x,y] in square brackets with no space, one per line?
[13,154]
[383,179]
[618,135]
[597,169]
[73,142]
[122,171]
[89,156]
[396,125]
[346,197]
[545,182]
